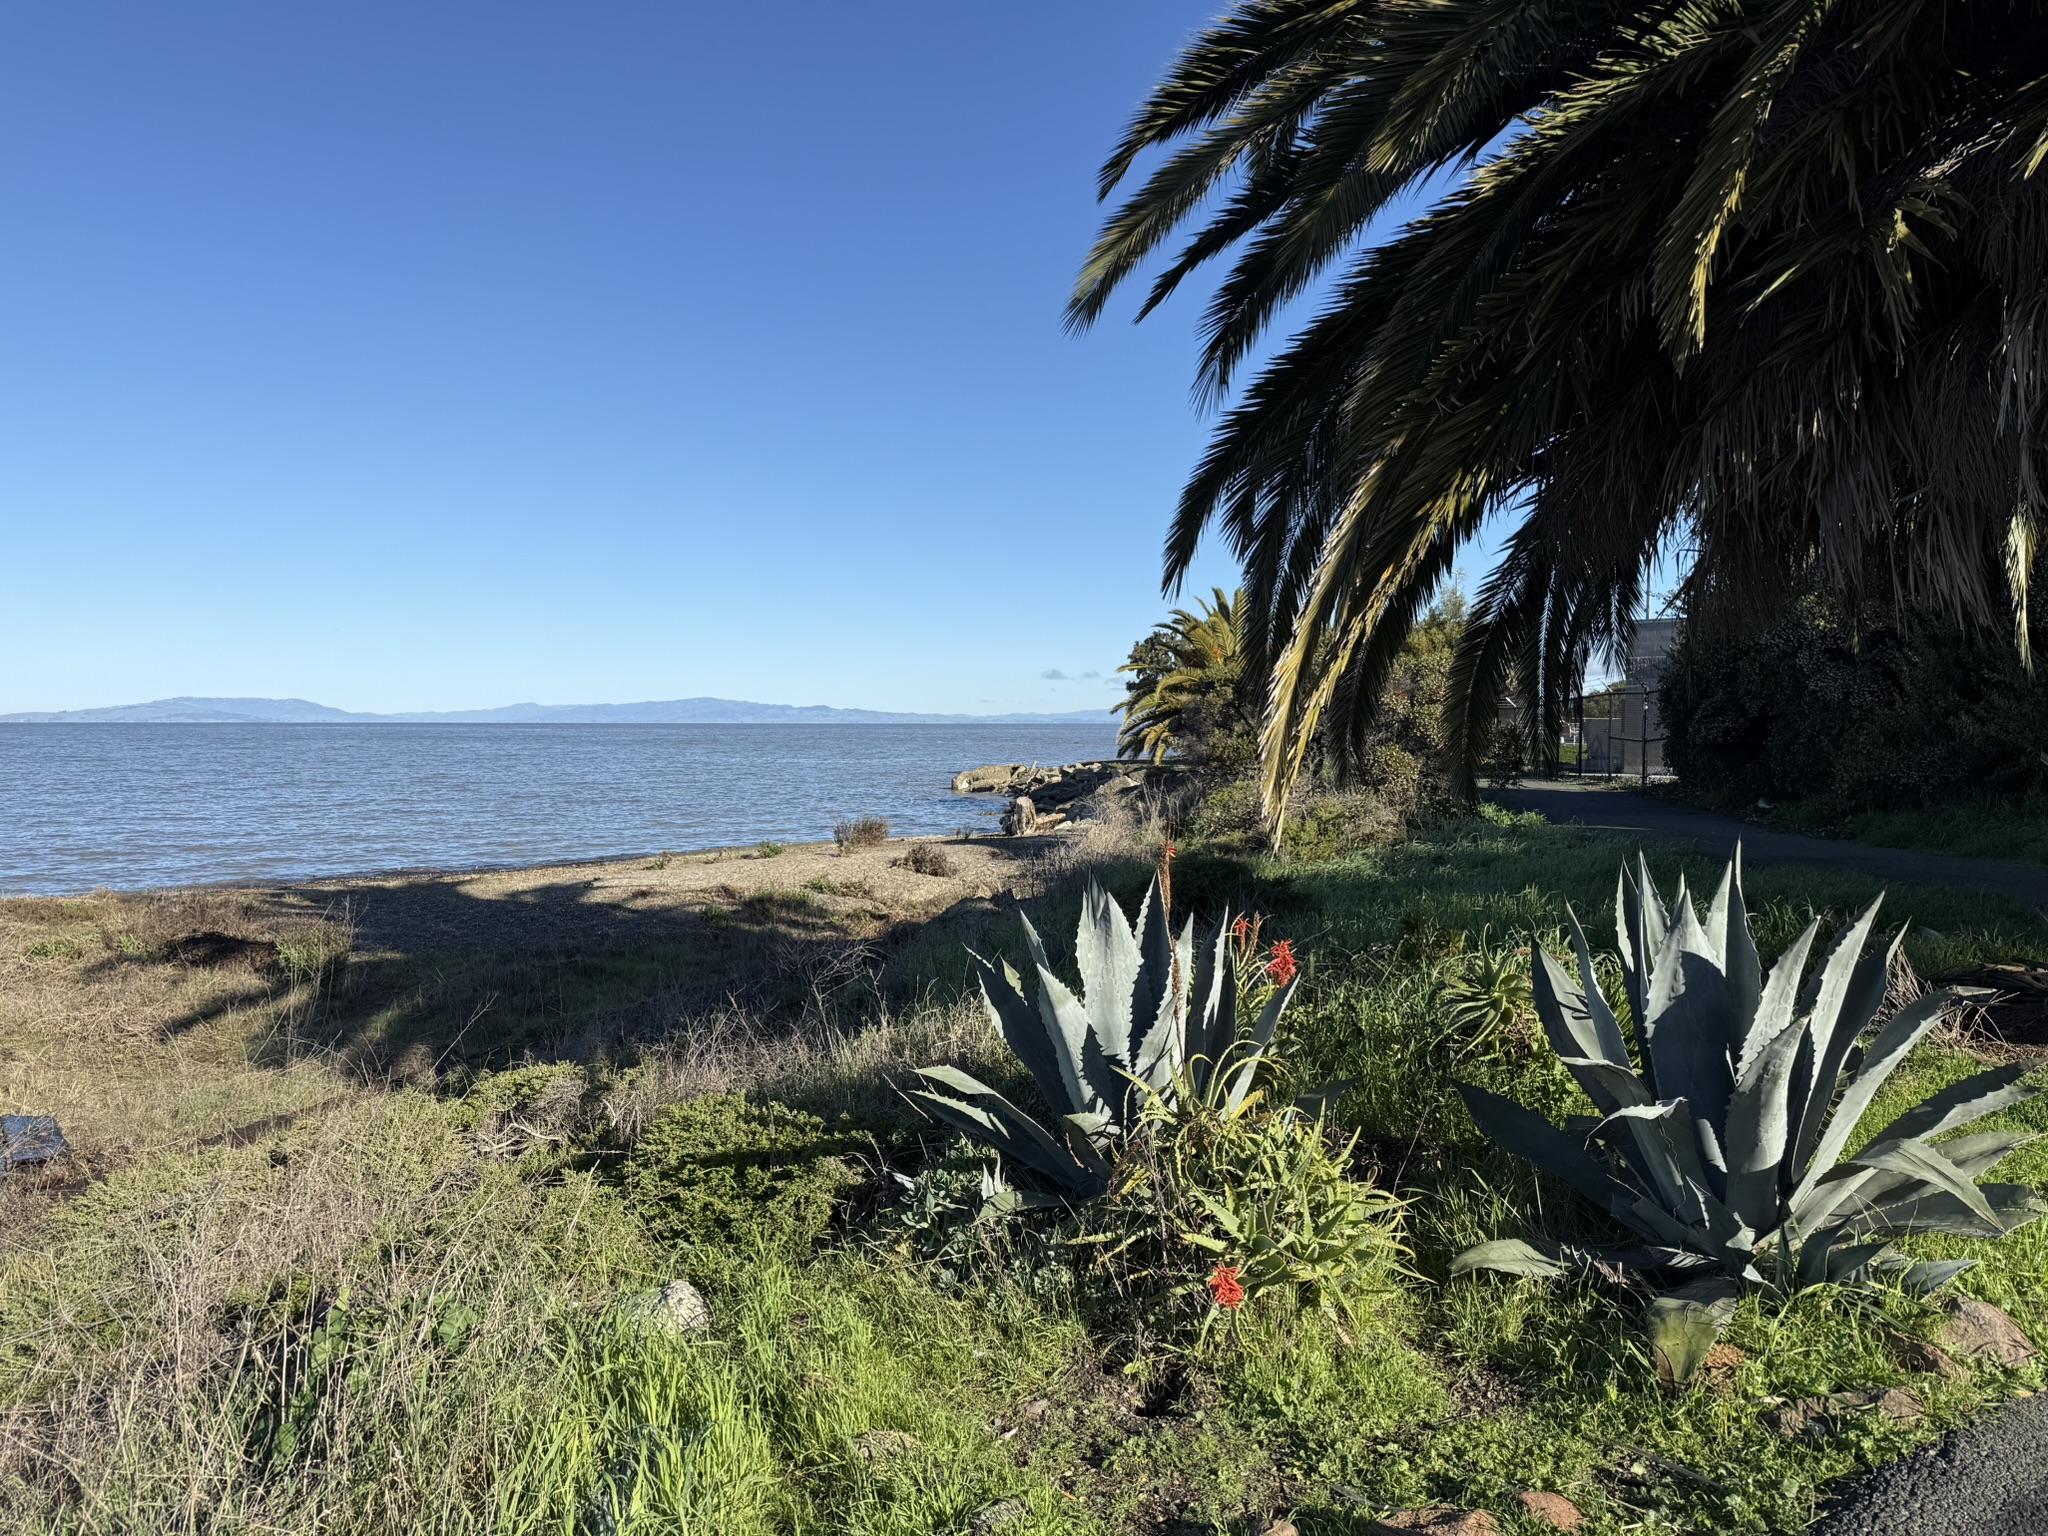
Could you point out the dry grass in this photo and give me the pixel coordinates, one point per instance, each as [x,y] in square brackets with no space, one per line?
[257,1198]
[245,1284]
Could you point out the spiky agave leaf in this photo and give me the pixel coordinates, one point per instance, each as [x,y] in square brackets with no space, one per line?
[1156,1013]
[1754,1171]
[979,1112]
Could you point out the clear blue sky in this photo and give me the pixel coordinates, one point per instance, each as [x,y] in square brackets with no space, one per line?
[409,356]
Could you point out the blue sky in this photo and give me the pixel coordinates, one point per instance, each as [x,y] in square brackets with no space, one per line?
[412,356]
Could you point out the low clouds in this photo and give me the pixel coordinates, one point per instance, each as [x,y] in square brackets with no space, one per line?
[1053,675]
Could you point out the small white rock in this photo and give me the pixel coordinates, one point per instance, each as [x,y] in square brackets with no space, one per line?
[678,1308]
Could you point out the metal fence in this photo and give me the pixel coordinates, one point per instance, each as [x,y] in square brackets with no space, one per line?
[1625,739]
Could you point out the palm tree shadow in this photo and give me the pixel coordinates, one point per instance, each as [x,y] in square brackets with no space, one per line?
[442,977]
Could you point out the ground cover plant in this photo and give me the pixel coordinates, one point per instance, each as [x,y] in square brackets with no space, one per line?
[378,1307]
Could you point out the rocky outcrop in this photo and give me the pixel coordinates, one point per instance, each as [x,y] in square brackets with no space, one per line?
[1046,797]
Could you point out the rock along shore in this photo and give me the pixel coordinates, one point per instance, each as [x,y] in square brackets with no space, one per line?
[1045,797]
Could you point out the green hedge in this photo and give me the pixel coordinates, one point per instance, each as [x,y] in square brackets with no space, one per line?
[1881,717]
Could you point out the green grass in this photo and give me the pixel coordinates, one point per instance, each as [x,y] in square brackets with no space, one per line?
[1983,829]
[397,1315]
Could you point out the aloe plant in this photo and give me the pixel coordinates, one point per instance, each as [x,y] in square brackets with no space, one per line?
[1721,1135]
[1157,1015]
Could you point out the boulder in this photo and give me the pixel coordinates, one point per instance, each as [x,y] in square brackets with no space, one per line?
[676,1310]
[1814,1417]
[1920,1358]
[1976,1330]
[1803,1419]
[987,779]
[1024,819]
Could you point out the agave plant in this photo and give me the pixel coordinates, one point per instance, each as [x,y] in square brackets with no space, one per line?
[1157,1015]
[1721,1137]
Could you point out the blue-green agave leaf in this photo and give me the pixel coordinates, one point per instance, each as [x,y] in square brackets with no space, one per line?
[1760,1115]
[1928,1276]
[1960,1103]
[1977,1155]
[1895,1041]
[1777,1008]
[1153,990]
[1022,1030]
[1661,1136]
[1534,1139]
[1606,1028]
[1689,1016]
[1212,1016]
[1917,1161]
[1575,1034]
[1863,995]
[1684,1325]
[1917,1209]
[988,1117]
[1106,954]
[1067,1030]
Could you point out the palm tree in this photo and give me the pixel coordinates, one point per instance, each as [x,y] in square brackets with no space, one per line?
[1187,681]
[1765,277]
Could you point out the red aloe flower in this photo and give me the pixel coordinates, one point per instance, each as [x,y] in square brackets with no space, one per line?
[1225,1287]
[1241,929]
[1281,967]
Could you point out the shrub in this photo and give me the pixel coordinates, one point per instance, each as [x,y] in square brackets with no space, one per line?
[521,1105]
[313,954]
[1229,819]
[1264,1206]
[1393,771]
[1331,825]
[770,850]
[927,859]
[861,832]
[1488,1001]
[1862,717]
[721,1171]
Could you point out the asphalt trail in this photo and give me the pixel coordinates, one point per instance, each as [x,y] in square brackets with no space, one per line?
[1988,1480]
[1616,810]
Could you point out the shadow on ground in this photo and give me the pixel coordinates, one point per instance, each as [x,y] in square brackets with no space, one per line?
[442,976]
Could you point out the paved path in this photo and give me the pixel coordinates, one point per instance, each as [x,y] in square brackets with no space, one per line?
[1617,810]
[1986,1480]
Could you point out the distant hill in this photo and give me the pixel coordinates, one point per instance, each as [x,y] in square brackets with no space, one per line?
[189,711]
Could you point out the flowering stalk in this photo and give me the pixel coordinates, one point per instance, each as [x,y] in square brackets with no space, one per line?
[1226,1288]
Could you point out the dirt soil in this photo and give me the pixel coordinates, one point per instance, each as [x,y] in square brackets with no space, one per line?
[595,901]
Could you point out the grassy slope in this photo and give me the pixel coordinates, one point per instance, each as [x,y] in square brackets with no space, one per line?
[385,1315]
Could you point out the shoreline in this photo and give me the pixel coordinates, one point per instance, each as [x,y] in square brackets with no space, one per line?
[721,853]
[80,818]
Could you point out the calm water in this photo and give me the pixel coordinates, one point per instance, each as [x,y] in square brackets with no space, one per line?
[131,806]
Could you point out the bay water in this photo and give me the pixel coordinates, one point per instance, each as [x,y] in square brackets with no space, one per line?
[131,807]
